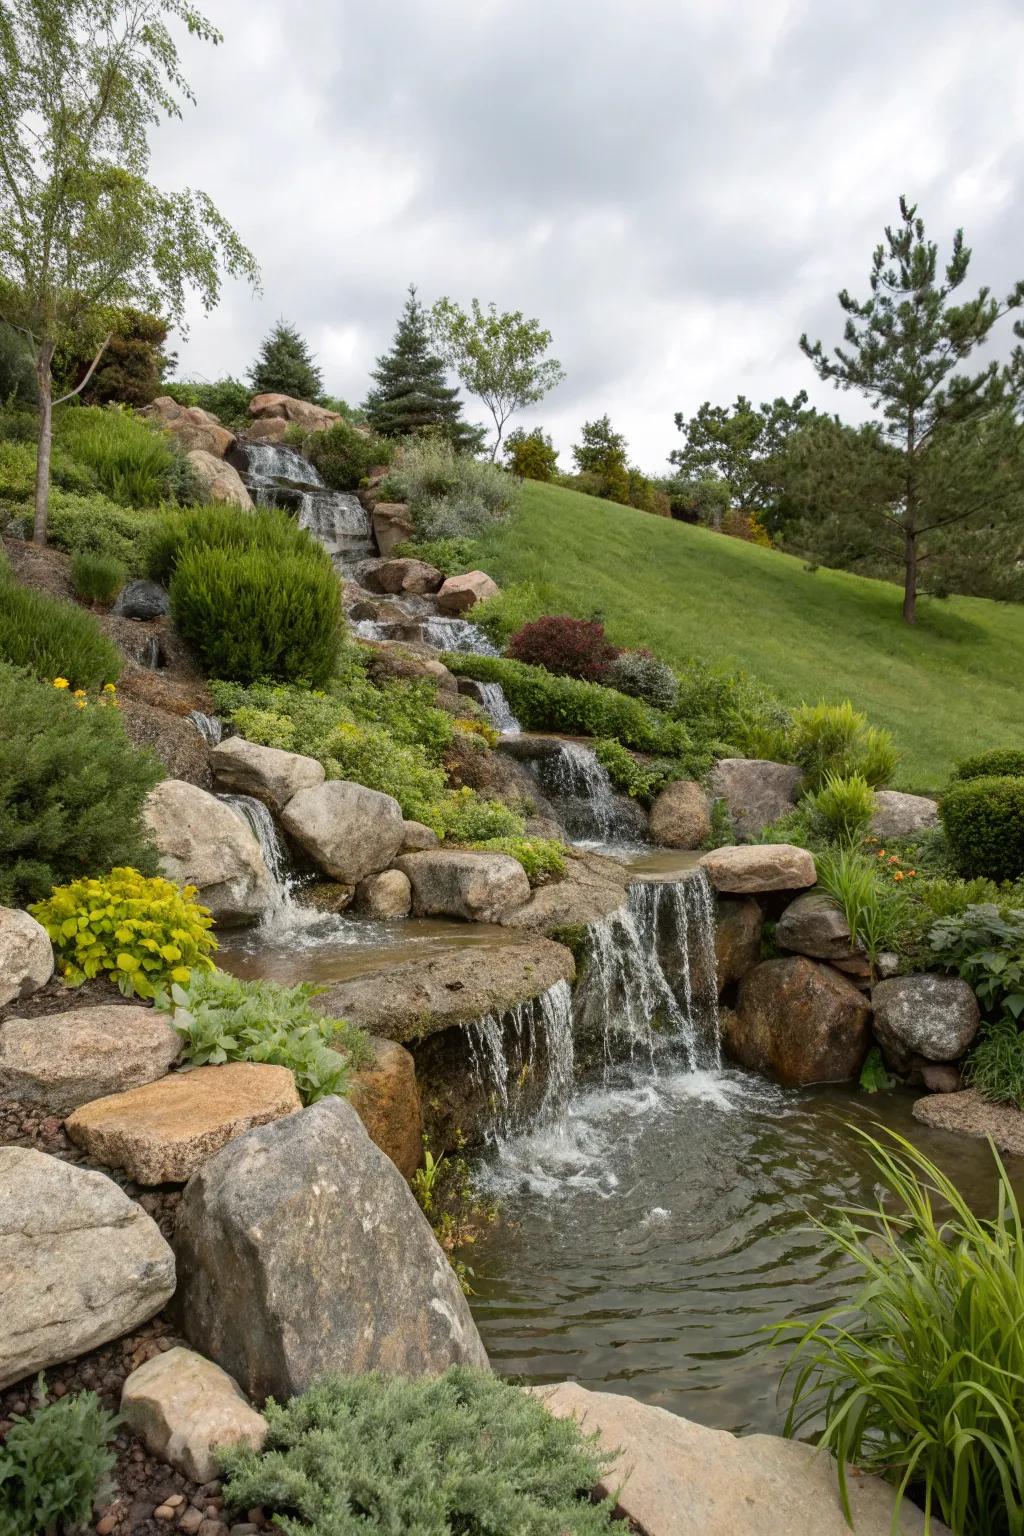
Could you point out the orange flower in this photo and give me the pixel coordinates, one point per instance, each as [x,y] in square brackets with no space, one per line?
[880,854]
[911,874]
[894,858]
[897,874]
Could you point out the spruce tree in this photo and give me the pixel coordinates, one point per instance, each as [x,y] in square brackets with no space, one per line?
[412,393]
[285,366]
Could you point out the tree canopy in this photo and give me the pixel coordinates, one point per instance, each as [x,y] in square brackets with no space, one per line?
[739,445]
[531,455]
[286,366]
[412,393]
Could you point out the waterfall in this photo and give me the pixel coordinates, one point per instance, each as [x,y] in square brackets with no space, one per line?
[268,463]
[279,474]
[503,1051]
[457,635]
[491,698]
[261,824]
[209,727]
[585,799]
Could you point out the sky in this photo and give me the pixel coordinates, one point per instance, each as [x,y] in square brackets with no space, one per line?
[675,190]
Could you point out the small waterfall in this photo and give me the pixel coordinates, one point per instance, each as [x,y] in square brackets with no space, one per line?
[584,797]
[261,824]
[279,475]
[498,709]
[209,727]
[269,463]
[457,635]
[504,1050]
[337,521]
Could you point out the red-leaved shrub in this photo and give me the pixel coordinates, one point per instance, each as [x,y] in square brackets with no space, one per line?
[573,647]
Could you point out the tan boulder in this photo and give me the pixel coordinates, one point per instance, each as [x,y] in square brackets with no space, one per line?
[384,895]
[746,869]
[387,1100]
[458,882]
[183,1408]
[26,955]
[266,773]
[161,1133]
[219,481]
[202,842]
[738,924]
[63,1060]
[191,427]
[416,837]
[268,429]
[799,1022]
[408,575]
[755,791]
[461,592]
[680,816]
[348,830]
[814,924]
[392,524]
[968,1114]
[315,418]
[899,815]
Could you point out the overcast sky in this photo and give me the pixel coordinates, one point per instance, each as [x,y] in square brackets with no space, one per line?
[676,188]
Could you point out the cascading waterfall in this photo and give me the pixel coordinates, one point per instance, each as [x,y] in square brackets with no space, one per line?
[261,824]
[457,635]
[497,708]
[504,1049]
[583,794]
[285,921]
[268,464]
[209,727]
[337,520]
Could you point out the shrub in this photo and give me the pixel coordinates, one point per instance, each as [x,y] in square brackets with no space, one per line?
[463,817]
[257,613]
[920,1377]
[227,399]
[542,857]
[641,781]
[96,525]
[842,808]
[344,456]
[985,945]
[570,647]
[97,578]
[995,1067]
[643,676]
[999,763]
[874,911]
[134,462]
[500,616]
[450,495]
[142,932]
[452,556]
[984,823]
[531,455]
[55,1465]
[369,755]
[222,1018]
[53,639]
[836,738]
[462,1452]
[223,527]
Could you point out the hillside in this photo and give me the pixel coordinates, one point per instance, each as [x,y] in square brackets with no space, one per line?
[949,686]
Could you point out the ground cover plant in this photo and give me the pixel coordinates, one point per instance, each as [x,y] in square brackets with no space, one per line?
[93,524]
[542,857]
[920,1377]
[55,1465]
[462,1452]
[984,944]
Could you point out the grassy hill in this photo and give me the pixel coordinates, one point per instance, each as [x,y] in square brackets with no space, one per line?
[949,686]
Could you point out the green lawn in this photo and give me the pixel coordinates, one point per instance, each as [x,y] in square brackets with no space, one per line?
[950,685]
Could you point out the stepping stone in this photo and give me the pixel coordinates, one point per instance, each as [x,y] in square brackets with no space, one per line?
[968,1114]
[62,1060]
[161,1133]
[183,1407]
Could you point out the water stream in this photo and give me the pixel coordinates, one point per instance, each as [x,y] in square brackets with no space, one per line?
[280,476]
[585,800]
[287,923]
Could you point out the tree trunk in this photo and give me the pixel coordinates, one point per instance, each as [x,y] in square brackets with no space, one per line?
[44,377]
[910,576]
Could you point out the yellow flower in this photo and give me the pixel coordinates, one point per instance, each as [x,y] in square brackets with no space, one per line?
[897,874]
[109,687]
[60,682]
[79,703]
[79,693]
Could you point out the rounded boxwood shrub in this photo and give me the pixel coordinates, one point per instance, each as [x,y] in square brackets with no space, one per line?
[53,639]
[984,824]
[643,676]
[999,762]
[569,647]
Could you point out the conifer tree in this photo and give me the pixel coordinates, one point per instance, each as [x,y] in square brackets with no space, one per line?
[412,393]
[286,366]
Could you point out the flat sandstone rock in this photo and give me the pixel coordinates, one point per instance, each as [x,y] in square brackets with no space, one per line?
[968,1114]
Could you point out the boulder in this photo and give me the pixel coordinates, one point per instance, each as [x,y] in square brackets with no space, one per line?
[162,1132]
[301,1252]
[392,524]
[968,1114]
[348,831]
[183,1408]
[755,792]
[218,480]
[325,896]
[315,418]
[461,592]
[680,817]
[63,1060]
[898,815]
[386,1098]
[387,659]
[937,1076]
[814,925]
[416,838]
[799,1022]
[407,575]
[672,1477]
[266,773]
[26,955]
[268,429]
[388,894]
[190,426]
[458,882]
[591,888]
[738,925]
[202,842]
[746,870]
[931,1016]
[142,599]
[80,1263]
[420,997]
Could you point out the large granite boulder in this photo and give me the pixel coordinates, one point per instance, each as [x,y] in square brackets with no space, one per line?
[672,1477]
[799,1022]
[392,524]
[591,888]
[142,599]
[968,1114]
[680,816]
[461,592]
[418,998]
[162,1132]
[218,480]
[416,837]
[814,925]
[26,956]
[80,1263]
[266,773]
[202,842]
[756,792]
[407,575]
[302,1252]
[315,418]
[268,429]
[63,1060]
[386,1098]
[747,870]
[738,924]
[190,426]
[184,1409]
[931,1016]
[347,830]
[898,815]
[458,882]
[386,895]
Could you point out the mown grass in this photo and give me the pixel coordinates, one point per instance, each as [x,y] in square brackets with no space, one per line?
[945,688]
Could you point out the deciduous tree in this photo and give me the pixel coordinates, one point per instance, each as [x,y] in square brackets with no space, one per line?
[739,445]
[531,455]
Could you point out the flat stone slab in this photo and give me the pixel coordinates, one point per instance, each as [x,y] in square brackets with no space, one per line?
[592,888]
[64,1060]
[745,869]
[968,1114]
[80,1263]
[161,1133]
[676,1478]
[183,1408]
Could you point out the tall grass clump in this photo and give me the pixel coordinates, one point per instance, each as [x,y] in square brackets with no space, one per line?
[836,738]
[920,1377]
[450,495]
[97,578]
[53,639]
[133,461]
[874,911]
[842,808]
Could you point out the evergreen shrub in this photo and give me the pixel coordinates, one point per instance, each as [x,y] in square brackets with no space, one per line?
[836,738]
[984,824]
[999,762]
[55,1465]
[343,456]
[643,676]
[222,527]
[133,461]
[97,578]
[93,524]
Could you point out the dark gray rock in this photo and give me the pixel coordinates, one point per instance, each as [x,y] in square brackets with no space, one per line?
[301,1251]
[931,1016]
[142,599]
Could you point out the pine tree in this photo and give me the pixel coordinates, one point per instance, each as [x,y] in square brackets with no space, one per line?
[286,366]
[412,393]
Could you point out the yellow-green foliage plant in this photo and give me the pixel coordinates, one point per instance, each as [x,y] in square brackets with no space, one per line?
[142,933]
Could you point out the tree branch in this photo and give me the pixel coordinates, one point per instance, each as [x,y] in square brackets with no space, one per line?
[92,369]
